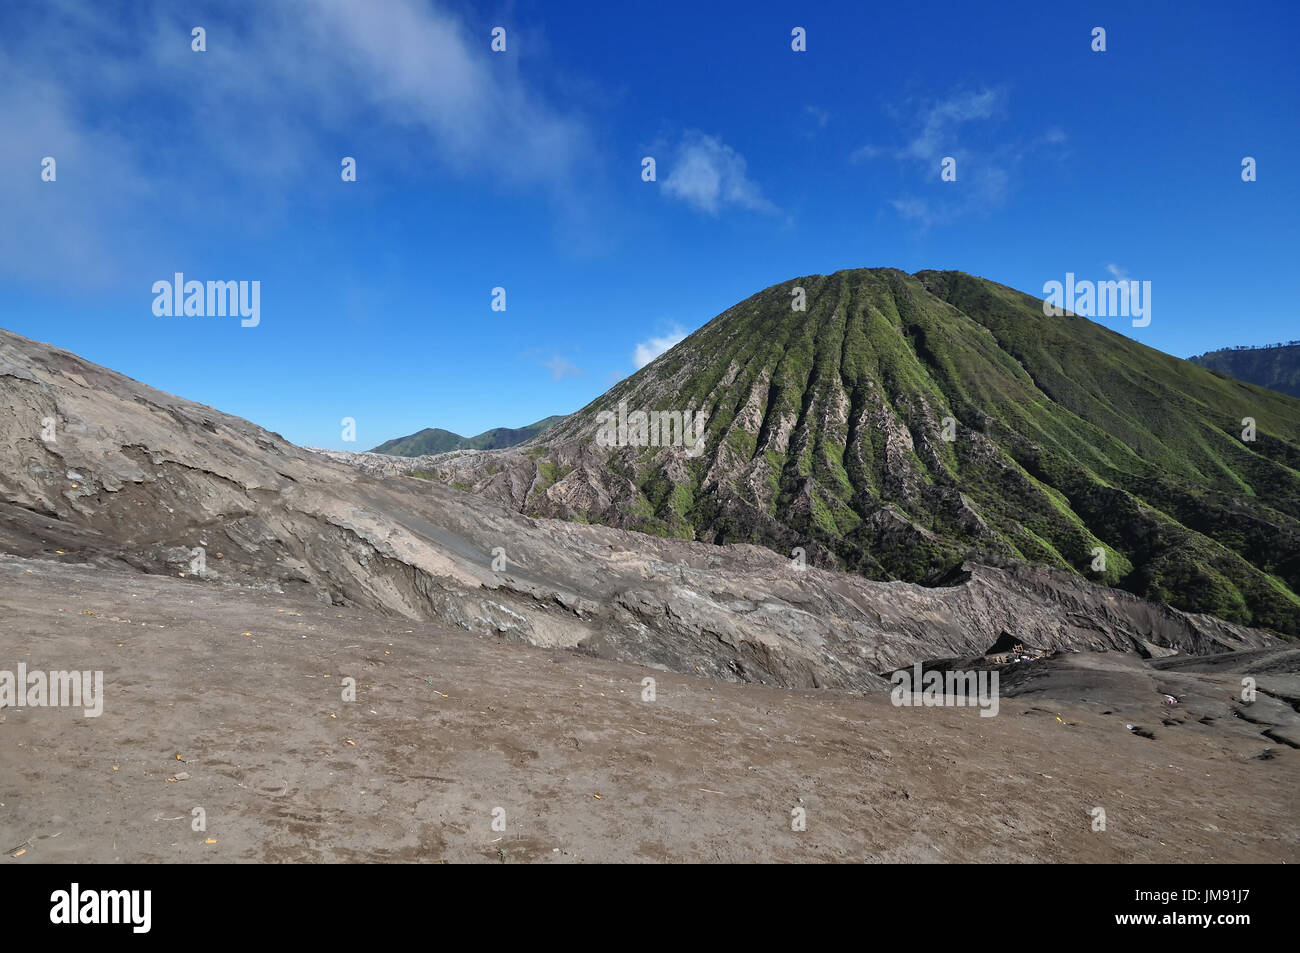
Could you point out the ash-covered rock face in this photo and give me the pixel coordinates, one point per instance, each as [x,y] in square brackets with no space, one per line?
[96,468]
[904,424]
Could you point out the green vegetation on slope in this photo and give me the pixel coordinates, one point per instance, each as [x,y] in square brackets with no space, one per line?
[826,430]
[1277,368]
[435,440]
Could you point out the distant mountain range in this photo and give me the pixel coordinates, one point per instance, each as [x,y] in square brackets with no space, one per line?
[1276,366]
[904,423]
[436,440]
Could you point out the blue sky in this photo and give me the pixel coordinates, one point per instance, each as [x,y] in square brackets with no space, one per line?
[522,169]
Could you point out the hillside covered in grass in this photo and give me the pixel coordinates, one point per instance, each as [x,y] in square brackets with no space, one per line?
[904,423]
[437,440]
[1277,368]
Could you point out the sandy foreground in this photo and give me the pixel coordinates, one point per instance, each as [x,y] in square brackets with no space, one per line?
[448,727]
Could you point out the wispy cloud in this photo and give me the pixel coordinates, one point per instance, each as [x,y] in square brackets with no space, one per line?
[986,188]
[931,129]
[918,210]
[984,164]
[940,120]
[707,174]
[819,116]
[561,368]
[651,348]
[868,151]
[280,86]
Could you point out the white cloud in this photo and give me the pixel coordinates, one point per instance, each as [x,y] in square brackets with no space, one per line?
[708,174]
[422,66]
[649,349]
[402,84]
[1117,272]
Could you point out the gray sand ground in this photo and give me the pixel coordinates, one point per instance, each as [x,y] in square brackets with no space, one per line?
[448,726]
